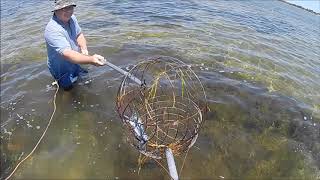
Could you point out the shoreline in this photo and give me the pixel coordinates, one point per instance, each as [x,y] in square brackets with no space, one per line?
[309,10]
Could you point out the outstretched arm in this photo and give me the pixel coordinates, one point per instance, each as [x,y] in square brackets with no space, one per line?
[78,58]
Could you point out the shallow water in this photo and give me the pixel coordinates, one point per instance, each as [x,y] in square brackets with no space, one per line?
[259,62]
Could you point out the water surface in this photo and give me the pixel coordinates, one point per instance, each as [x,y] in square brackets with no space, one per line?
[259,62]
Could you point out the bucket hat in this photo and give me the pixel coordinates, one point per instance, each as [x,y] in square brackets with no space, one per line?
[59,4]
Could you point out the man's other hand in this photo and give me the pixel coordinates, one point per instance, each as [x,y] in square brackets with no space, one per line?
[98,60]
[84,51]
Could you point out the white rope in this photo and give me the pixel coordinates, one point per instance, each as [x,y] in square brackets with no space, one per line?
[54,110]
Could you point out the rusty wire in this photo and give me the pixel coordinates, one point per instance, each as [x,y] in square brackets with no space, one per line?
[166,110]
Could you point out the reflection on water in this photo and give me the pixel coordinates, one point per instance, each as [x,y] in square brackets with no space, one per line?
[259,63]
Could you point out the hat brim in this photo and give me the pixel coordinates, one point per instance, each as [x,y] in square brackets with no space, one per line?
[61,7]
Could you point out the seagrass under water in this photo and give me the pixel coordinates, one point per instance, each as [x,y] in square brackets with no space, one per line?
[165,110]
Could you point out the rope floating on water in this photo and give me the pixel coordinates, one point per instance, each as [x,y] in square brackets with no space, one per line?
[45,131]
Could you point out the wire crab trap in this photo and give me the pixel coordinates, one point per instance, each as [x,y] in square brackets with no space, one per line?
[161,103]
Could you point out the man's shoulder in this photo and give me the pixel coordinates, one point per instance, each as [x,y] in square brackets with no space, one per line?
[52,24]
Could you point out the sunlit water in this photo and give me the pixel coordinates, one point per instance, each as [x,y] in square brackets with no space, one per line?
[259,62]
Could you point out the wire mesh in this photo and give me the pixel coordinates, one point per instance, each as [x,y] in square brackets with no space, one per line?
[165,110]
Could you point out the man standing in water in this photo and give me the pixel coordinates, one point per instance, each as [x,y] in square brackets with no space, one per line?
[66,45]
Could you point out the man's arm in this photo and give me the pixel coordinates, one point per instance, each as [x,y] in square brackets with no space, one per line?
[78,58]
[81,40]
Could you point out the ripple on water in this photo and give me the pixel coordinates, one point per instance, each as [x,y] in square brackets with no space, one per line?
[259,63]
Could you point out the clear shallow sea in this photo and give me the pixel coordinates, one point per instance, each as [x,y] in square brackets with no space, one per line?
[258,60]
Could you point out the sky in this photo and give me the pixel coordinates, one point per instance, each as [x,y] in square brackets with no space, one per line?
[308,4]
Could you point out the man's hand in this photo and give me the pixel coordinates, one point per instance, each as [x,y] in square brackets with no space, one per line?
[84,51]
[98,60]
